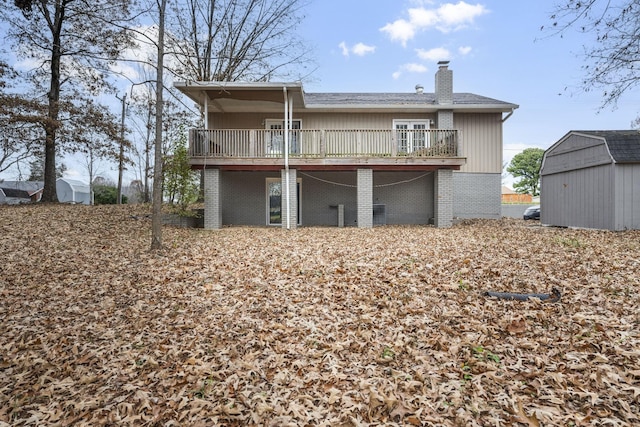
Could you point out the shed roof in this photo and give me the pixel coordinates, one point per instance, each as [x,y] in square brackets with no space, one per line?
[623,145]
[76,185]
[24,187]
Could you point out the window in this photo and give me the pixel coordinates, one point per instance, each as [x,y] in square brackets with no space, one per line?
[411,135]
[275,137]
[274,201]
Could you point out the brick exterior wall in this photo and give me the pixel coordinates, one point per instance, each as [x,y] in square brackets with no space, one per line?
[365,198]
[321,194]
[444,119]
[409,198]
[444,85]
[477,195]
[293,199]
[244,197]
[443,186]
[212,207]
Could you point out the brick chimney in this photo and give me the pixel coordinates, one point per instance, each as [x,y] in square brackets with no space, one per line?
[444,84]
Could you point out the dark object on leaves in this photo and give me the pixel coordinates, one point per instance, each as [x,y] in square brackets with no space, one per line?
[137,217]
[554,296]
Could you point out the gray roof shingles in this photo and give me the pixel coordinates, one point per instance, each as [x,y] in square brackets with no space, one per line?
[394,99]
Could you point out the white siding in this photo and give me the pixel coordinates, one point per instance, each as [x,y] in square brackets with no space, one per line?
[314,121]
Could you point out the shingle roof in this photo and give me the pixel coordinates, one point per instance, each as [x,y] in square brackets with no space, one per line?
[624,145]
[411,98]
[28,187]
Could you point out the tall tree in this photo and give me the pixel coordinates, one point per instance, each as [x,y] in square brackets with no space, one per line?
[18,118]
[73,41]
[228,40]
[36,169]
[612,61]
[156,220]
[232,40]
[526,166]
[180,182]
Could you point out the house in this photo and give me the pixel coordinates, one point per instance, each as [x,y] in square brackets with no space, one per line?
[73,191]
[16,192]
[274,154]
[591,179]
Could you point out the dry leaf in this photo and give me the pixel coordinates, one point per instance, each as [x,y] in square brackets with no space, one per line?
[321,326]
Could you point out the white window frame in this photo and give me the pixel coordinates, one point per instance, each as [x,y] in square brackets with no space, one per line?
[412,143]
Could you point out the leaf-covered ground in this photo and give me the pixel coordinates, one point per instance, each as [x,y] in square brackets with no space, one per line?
[313,327]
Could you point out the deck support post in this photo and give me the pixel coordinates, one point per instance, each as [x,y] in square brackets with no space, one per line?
[365,198]
[212,207]
[289,200]
[443,198]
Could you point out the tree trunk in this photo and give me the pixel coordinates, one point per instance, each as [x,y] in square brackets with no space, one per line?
[49,193]
[156,222]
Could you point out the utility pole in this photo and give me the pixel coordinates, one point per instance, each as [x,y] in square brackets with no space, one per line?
[121,156]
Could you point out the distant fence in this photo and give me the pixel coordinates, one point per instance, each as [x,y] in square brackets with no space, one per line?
[516,198]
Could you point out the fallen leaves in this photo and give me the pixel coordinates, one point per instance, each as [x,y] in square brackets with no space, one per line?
[321,326]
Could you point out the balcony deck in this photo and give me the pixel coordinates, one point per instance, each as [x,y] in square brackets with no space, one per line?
[260,149]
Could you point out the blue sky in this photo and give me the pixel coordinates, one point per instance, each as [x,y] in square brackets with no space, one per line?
[496,49]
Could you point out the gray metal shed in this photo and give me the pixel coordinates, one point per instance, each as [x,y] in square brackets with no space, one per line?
[591,179]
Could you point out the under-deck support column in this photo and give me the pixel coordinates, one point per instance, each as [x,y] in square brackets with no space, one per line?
[443,195]
[365,198]
[292,187]
[212,208]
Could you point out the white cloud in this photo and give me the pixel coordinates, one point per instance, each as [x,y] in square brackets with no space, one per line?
[446,18]
[409,68]
[343,47]
[362,49]
[464,50]
[400,30]
[456,16]
[359,49]
[435,54]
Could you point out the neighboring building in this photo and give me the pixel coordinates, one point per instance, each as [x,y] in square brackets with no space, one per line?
[273,154]
[16,192]
[510,196]
[73,191]
[591,179]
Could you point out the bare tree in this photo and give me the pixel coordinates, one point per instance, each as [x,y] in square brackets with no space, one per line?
[142,124]
[156,221]
[232,40]
[73,41]
[18,122]
[612,62]
[228,40]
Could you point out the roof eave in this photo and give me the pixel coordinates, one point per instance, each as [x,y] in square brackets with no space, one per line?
[423,108]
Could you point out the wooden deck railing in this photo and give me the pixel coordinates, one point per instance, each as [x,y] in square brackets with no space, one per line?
[261,143]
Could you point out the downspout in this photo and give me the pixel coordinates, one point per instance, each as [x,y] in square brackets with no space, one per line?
[206,110]
[507,116]
[286,154]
